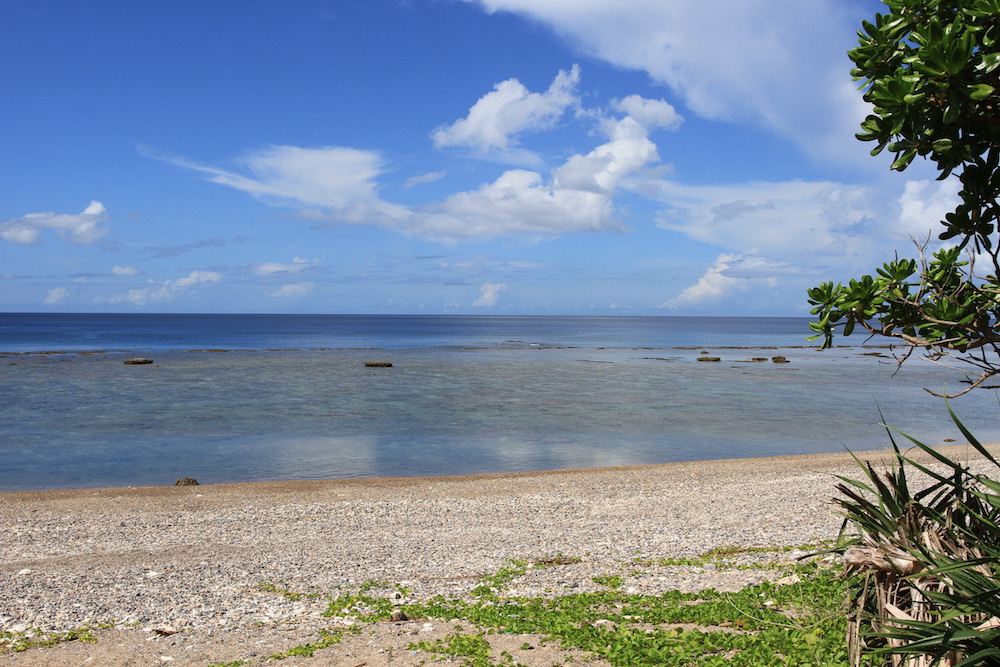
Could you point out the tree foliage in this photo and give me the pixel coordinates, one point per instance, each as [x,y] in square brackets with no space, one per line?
[931,70]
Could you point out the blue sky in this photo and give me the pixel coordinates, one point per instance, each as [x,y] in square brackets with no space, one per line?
[634,157]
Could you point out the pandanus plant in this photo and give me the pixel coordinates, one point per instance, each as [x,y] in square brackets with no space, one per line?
[923,560]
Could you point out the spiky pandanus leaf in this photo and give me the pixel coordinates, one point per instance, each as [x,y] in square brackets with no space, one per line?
[926,562]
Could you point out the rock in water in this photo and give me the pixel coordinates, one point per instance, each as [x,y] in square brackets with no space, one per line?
[138,360]
[186,481]
[378,364]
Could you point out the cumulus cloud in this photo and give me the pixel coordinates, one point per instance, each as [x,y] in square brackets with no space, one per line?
[759,62]
[81,228]
[712,286]
[297,265]
[650,113]
[489,295]
[518,202]
[56,296]
[168,290]
[510,109]
[731,273]
[577,196]
[600,170]
[292,290]
[125,271]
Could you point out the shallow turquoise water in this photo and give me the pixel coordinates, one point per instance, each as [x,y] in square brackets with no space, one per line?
[87,420]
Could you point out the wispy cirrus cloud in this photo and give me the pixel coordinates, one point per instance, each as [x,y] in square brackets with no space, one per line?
[292,290]
[168,290]
[297,265]
[160,252]
[420,179]
[795,232]
[125,271]
[340,180]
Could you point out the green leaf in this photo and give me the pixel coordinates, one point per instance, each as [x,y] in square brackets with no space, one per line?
[980,91]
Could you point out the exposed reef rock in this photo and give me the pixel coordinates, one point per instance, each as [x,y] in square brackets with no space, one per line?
[709,358]
[378,364]
[138,360]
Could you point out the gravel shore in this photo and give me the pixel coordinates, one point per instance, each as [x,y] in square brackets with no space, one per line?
[206,561]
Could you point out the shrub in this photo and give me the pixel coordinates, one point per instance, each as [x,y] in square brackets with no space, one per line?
[923,565]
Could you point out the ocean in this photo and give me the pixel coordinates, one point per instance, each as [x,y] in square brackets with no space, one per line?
[239,398]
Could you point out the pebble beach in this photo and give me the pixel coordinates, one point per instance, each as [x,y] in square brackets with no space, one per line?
[188,574]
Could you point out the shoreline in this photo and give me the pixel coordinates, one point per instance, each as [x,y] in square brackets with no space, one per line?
[218,574]
[815,462]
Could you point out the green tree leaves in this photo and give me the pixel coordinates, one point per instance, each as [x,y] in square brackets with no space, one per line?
[931,71]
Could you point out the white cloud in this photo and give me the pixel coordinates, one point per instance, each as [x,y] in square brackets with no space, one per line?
[429,177]
[778,237]
[297,265]
[600,170]
[579,197]
[516,203]
[650,113]
[791,235]
[292,290]
[729,275]
[783,218]
[126,270]
[924,204]
[82,228]
[56,296]
[711,287]
[341,180]
[489,294]
[496,119]
[764,63]
[168,290]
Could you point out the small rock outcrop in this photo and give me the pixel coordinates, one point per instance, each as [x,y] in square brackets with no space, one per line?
[378,364]
[138,360]
[186,481]
[709,358]
[780,360]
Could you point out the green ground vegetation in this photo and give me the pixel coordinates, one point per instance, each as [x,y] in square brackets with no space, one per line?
[796,619]
[799,621]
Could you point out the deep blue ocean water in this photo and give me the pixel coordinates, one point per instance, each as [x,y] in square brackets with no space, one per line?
[234,398]
[34,332]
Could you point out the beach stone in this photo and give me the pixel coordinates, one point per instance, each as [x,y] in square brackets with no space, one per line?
[138,360]
[186,481]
